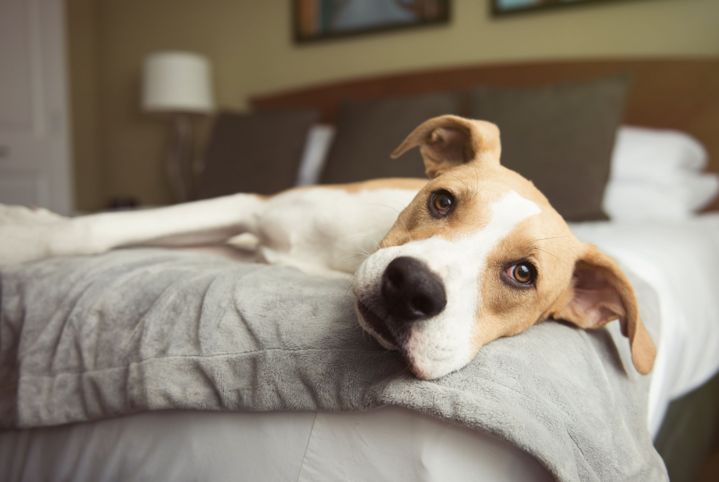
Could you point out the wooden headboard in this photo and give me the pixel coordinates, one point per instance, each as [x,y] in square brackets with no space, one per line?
[670,93]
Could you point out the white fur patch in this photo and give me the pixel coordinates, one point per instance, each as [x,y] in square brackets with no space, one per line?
[442,344]
[343,229]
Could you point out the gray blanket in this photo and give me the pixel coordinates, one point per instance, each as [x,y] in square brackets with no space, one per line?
[94,337]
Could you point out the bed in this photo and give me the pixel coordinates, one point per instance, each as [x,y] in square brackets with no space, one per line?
[671,260]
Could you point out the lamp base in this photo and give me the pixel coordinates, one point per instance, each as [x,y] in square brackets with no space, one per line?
[179,162]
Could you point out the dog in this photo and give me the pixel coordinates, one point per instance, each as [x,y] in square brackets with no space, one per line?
[476,252]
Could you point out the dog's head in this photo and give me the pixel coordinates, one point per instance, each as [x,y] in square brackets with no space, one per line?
[480,254]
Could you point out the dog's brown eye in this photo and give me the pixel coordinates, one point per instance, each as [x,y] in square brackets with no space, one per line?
[523,273]
[441,203]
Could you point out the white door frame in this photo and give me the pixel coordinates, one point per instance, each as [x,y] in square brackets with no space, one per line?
[35,158]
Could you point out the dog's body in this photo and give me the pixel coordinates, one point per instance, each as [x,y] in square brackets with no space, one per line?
[320,229]
[473,254]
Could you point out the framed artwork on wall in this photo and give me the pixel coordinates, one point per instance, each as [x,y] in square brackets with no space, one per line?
[326,19]
[505,7]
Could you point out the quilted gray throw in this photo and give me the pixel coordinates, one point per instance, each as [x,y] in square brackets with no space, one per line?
[135,330]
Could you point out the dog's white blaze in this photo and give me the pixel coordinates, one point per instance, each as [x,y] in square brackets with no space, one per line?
[442,344]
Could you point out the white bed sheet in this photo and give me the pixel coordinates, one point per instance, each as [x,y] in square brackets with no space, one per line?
[678,259]
[388,444]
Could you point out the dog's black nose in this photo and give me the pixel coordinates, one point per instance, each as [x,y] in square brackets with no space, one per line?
[411,291]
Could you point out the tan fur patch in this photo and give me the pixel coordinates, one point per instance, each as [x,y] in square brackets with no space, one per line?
[507,310]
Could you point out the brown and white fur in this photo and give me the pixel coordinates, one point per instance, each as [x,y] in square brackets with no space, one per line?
[435,285]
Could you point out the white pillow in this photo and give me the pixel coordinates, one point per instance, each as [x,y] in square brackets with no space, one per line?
[657,174]
[319,140]
[680,198]
[643,154]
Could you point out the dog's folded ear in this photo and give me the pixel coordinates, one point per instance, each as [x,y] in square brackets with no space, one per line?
[600,293]
[448,141]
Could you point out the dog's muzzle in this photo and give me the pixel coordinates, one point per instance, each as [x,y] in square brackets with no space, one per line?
[404,304]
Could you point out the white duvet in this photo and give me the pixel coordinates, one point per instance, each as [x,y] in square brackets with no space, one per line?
[679,259]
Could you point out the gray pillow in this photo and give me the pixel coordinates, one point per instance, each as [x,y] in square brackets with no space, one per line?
[367,132]
[258,152]
[560,137]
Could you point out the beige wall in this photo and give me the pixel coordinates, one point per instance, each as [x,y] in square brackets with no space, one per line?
[119,149]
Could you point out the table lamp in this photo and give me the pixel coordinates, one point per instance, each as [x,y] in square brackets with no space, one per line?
[179,84]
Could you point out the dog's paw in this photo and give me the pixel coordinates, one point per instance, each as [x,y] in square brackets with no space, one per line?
[27,234]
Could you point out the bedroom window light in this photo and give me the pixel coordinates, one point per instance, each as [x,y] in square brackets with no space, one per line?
[178,84]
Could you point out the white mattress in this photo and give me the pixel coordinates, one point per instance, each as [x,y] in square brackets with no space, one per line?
[679,259]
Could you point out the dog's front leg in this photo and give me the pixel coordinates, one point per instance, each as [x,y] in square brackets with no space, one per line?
[28,234]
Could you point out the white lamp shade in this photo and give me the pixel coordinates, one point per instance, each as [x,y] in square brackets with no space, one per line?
[177,82]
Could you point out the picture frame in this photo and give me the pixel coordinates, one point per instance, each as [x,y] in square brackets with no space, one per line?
[319,20]
[511,7]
